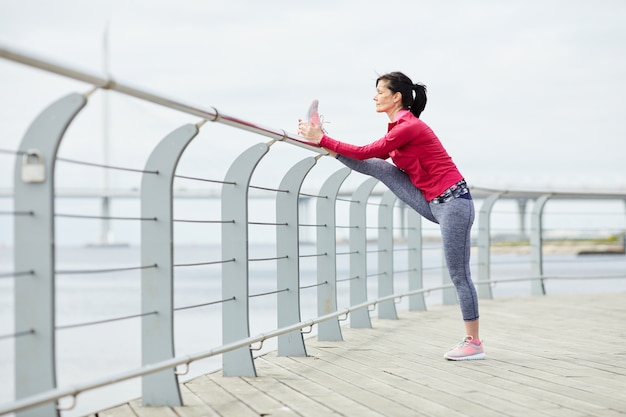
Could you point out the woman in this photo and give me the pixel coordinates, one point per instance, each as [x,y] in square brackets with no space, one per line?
[425,178]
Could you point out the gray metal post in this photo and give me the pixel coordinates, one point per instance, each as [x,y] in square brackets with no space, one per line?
[358,253]
[521,207]
[536,245]
[235,315]
[386,309]
[157,284]
[288,269]
[484,246]
[414,246]
[327,264]
[35,251]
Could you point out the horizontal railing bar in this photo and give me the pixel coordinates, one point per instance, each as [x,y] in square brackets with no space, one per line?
[404,271]
[98,271]
[304,287]
[269,189]
[204,263]
[84,216]
[314,255]
[348,279]
[268,224]
[91,323]
[206,180]
[345,199]
[16,274]
[268,259]
[17,334]
[557,194]
[587,277]
[268,293]
[203,221]
[313,195]
[17,213]
[110,84]
[12,152]
[204,304]
[93,164]
[347,253]
[312,225]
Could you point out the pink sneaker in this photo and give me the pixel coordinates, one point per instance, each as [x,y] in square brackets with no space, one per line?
[313,115]
[467,350]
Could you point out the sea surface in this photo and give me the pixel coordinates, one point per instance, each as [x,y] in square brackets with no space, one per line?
[91,351]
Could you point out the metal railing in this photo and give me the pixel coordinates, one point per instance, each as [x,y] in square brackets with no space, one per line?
[35,272]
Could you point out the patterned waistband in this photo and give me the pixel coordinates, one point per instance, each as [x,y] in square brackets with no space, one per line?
[457,190]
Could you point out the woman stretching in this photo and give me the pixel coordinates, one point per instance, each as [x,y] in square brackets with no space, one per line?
[425,178]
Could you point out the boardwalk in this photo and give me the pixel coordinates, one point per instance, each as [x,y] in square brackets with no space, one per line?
[547,356]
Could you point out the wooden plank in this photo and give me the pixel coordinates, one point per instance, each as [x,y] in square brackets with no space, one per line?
[217,398]
[193,405]
[370,392]
[141,411]
[458,392]
[123,410]
[283,369]
[538,363]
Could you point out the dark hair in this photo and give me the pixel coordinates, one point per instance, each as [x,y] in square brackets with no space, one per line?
[397,82]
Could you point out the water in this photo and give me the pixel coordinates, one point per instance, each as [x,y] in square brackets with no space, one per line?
[89,352]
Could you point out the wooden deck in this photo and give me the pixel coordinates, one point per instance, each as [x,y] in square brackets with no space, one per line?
[546,356]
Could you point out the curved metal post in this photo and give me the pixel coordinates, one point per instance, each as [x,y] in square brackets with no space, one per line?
[484,246]
[157,284]
[386,309]
[328,330]
[414,243]
[358,253]
[288,269]
[35,251]
[235,315]
[536,245]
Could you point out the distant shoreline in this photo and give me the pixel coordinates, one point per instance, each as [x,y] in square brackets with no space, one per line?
[565,247]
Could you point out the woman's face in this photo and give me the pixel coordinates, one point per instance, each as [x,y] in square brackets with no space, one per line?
[386,101]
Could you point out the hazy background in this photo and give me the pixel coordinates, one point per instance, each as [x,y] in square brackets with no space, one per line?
[523,94]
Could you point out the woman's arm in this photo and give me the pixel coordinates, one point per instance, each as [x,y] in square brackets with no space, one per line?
[373,150]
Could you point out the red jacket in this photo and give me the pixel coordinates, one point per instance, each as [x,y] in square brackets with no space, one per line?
[414,148]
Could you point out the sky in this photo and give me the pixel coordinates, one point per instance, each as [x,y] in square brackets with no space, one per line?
[523,94]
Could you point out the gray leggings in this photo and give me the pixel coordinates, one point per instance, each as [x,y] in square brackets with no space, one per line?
[455,219]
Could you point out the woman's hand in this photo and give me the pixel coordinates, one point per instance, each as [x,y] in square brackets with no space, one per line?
[311,132]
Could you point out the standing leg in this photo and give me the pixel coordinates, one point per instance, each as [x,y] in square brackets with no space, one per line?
[395,179]
[456,218]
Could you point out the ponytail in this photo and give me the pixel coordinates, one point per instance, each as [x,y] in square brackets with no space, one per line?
[419,102]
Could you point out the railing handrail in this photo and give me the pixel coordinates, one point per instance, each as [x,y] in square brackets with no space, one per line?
[553,193]
[100,82]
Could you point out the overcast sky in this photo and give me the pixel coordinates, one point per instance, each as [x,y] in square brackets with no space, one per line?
[523,94]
